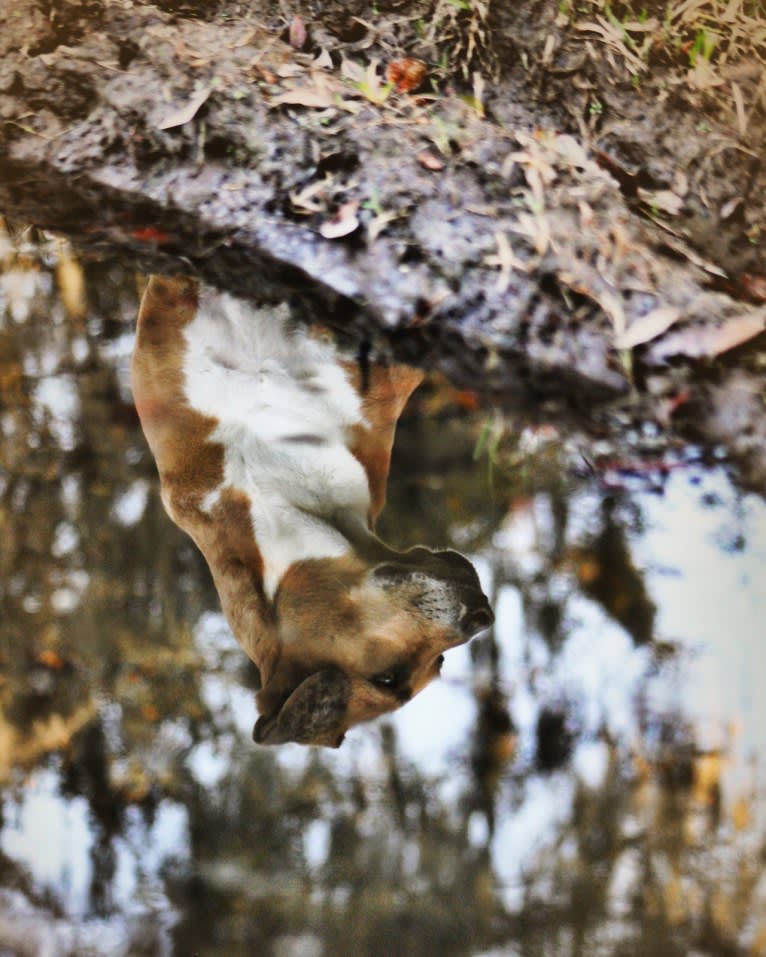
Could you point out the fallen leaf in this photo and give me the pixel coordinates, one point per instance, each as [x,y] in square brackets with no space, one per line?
[309,96]
[754,286]
[344,222]
[710,341]
[352,71]
[286,71]
[569,149]
[185,113]
[429,160]
[648,327]
[306,200]
[298,34]
[371,87]
[406,75]
[378,223]
[265,73]
[662,199]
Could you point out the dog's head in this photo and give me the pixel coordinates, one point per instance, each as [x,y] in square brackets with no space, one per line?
[357,639]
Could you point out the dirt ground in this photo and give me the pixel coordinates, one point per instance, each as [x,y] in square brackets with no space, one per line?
[560,204]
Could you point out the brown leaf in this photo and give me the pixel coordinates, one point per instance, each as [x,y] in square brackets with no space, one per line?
[406,75]
[185,113]
[429,160]
[648,327]
[664,200]
[344,222]
[311,96]
[754,286]
[298,33]
[709,341]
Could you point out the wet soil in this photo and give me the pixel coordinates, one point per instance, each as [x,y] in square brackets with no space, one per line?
[549,217]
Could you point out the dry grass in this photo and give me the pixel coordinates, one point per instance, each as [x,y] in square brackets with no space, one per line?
[716,48]
[719,31]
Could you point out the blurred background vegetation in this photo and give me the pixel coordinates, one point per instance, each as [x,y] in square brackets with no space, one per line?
[586,779]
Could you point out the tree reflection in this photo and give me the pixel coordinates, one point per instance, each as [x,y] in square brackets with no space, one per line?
[560,825]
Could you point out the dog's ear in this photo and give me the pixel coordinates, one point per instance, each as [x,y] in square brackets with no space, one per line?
[313,714]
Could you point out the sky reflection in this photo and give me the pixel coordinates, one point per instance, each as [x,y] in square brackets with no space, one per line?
[586,779]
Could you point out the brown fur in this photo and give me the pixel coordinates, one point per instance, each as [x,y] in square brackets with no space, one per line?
[346,638]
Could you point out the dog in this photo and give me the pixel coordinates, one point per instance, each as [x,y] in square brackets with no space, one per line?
[273,453]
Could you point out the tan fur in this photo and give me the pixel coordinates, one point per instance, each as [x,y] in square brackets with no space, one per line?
[338,626]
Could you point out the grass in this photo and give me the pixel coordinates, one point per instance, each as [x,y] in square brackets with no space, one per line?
[720,30]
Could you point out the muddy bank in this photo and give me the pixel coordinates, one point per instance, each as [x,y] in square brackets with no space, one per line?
[529,203]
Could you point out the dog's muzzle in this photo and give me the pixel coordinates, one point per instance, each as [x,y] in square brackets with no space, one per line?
[452,570]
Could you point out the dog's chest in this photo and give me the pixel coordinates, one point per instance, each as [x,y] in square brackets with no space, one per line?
[284,407]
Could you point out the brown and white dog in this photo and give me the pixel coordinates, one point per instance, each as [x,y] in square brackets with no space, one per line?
[273,455]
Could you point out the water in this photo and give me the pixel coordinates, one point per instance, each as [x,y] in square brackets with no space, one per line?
[588,778]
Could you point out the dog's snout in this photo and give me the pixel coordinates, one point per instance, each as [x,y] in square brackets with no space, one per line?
[476,620]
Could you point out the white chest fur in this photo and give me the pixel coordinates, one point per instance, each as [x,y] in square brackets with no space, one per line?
[284,405]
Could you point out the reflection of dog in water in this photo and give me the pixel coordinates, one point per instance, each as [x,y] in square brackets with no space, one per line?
[273,454]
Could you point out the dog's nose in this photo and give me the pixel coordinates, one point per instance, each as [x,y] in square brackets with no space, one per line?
[476,619]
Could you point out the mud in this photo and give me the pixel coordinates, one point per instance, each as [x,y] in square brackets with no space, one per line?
[543,219]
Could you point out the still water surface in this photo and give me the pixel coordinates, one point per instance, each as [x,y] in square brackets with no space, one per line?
[586,778]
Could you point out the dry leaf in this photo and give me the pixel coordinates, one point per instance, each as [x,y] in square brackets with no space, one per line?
[310,96]
[306,200]
[344,222]
[298,33]
[709,341]
[648,327]
[378,223]
[288,70]
[429,160]
[406,75]
[352,71]
[662,199]
[569,149]
[185,113]
[371,86]
[754,286]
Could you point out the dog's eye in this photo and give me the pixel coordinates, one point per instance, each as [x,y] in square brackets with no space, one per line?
[386,679]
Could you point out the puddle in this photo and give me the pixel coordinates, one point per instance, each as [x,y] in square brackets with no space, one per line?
[587,777]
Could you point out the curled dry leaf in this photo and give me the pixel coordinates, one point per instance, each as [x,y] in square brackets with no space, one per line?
[648,327]
[343,223]
[405,75]
[185,113]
